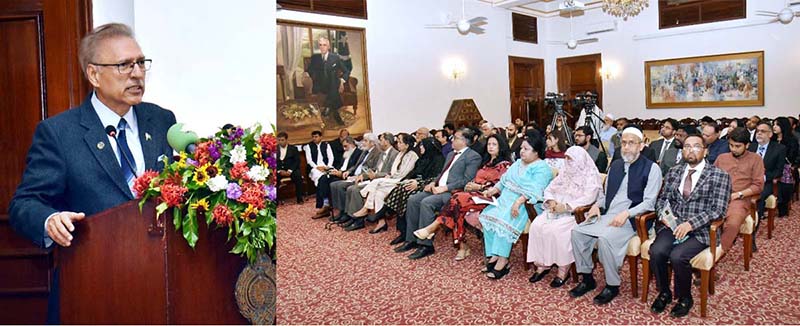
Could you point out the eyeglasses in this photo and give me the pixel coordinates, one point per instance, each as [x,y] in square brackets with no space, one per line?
[763,131]
[695,148]
[629,143]
[127,67]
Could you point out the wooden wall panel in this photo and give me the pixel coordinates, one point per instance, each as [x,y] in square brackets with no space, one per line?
[579,74]
[526,85]
[347,8]
[683,13]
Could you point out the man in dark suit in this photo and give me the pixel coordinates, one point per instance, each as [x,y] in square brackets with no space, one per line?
[774,156]
[289,164]
[323,70]
[350,158]
[461,167]
[74,168]
[716,146]
[337,146]
[370,157]
[514,139]
[666,148]
[697,193]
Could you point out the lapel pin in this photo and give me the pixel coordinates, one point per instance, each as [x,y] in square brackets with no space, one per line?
[101,145]
[147,136]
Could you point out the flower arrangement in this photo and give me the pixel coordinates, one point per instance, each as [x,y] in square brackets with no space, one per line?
[296,112]
[227,181]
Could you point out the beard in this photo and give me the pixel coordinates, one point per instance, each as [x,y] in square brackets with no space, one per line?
[510,135]
[737,155]
[581,144]
[629,158]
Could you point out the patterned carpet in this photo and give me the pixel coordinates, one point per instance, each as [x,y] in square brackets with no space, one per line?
[338,277]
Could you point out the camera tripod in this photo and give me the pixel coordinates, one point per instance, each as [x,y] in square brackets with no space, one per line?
[560,113]
[588,122]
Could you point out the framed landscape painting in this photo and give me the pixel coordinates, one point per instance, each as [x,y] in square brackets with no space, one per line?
[709,81]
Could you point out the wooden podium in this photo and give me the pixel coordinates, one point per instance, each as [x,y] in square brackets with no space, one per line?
[126,267]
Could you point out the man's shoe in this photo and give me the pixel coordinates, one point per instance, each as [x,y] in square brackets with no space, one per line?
[608,294]
[346,221]
[661,302]
[406,247]
[356,225]
[422,251]
[582,289]
[537,276]
[398,240]
[340,217]
[322,212]
[682,308]
[300,200]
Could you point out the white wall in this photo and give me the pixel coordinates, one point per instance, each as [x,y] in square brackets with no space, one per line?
[116,11]
[625,94]
[406,86]
[213,62]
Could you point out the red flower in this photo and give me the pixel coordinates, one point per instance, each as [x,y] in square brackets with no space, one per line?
[172,194]
[142,183]
[202,154]
[222,215]
[174,179]
[268,142]
[239,171]
[253,194]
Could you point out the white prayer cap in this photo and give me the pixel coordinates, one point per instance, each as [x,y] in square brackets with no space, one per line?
[634,131]
[610,116]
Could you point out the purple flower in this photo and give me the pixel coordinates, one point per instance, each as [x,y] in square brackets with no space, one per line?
[235,135]
[272,192]
[214,151]
[191,162]
[234,191]
[272,162]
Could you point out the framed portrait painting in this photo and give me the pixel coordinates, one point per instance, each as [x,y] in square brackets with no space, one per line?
[321,80]
[709,81]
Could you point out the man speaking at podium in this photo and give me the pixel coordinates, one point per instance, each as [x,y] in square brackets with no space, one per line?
[85,160]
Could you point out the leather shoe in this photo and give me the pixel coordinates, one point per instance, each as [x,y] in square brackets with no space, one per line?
[347,221]
[406,247]
[422,251]
[322,212]
[661,302]
[399,239]
[582,288]
[559,281]
[682,308]
[605,296]
[357,224]
[536,277]
[383,228]
[341,217]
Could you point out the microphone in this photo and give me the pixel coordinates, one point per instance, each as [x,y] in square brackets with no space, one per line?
[112,131]
[181,140]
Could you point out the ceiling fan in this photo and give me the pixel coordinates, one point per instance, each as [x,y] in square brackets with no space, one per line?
[572,43]
[785,16]
[463,25]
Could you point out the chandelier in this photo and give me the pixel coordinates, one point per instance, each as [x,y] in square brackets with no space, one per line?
[624,8]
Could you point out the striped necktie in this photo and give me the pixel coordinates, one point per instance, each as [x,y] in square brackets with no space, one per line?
[125,152]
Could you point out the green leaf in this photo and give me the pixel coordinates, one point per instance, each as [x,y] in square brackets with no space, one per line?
[190,229]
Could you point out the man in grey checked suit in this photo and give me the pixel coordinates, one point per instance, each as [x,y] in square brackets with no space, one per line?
[697,192]
[354,200]
[461,167]
[370,154]
[666,148]
[631,189]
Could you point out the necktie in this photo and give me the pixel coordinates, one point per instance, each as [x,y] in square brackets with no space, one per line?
[447,166]
[679,157]
[664,149]
[687,184]
[125,152]
[762,150]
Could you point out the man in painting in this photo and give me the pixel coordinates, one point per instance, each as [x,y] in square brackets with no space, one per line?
[324,70]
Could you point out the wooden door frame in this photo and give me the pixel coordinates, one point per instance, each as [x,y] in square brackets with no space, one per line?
[563,83]
[511,61]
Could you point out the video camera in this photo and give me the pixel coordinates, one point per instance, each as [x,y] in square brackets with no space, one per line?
[585,101]
[556,99]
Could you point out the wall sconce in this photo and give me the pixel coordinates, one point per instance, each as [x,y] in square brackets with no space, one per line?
[454,68]
[608,71]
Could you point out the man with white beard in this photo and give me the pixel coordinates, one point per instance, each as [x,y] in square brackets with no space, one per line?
[631,189]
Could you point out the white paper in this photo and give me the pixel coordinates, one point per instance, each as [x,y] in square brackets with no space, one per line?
[480,200]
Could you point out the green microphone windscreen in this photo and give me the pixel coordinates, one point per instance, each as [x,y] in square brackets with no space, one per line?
[179,139]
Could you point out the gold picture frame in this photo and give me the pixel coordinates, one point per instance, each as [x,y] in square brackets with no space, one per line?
[726,80]
[300,109]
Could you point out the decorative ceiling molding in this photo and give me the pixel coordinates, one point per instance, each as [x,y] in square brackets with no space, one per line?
[538,8]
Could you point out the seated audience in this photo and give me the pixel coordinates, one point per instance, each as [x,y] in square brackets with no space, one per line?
[477,146]
[583,138]
[338,148]
[319,156]
[556,146]
[422,133]
[461,166]
[751,125]
[351,157]
[631,189]
[696,193]
[746,170]
[428,166]
[353,199]
[666,147]
[450,128]
[607,131]
[367,162]
[576,185]
[774,155]
[452,216]
[376,190]
[503,223]
[443,138]
[514,139]
[716,146]
[781,128]
[289,164]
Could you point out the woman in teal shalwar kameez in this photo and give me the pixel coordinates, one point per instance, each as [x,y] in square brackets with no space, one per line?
[503,223]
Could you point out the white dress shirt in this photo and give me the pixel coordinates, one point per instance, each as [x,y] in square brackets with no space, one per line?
[446,173]
[696,176]
[111,118]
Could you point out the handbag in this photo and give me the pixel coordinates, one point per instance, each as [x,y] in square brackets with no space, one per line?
[786,177]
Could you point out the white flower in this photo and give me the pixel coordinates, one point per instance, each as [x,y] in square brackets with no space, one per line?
[217,183]
[238,154]
[258,173]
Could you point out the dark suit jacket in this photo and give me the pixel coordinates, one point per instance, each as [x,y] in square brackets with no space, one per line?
[352,161]
[774,159]
[71,166]
[291,161]
[324,75]
[707,202]
[338,151]
[670,156]
[461,171]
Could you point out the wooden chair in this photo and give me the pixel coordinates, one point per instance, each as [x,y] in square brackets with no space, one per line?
[523,238]
[705,262]
[771,207]
[746,231]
